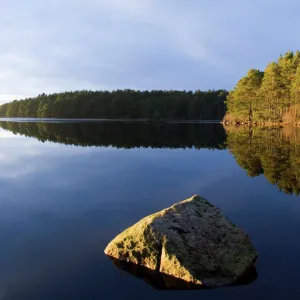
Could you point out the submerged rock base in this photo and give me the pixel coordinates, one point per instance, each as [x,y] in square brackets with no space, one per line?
[162,281]
[191,241]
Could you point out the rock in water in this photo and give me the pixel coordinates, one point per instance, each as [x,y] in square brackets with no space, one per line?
[191,240]
[162,281]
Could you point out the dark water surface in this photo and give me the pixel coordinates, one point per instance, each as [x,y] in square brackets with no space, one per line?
[67,189]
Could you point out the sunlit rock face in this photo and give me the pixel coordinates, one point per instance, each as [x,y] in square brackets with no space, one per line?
[191,240]
[161,281]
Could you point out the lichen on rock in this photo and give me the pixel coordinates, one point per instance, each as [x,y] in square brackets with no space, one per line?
[191,240]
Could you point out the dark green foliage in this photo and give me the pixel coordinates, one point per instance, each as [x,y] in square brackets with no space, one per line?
[121,104]
[269,96]
[124,134]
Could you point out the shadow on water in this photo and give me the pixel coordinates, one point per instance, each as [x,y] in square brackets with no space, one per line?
[167,282]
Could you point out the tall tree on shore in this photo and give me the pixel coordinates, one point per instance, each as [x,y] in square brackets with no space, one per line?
[295,95]
[287,71]
[274,99]
[296,61]
[271,92]
[244,99]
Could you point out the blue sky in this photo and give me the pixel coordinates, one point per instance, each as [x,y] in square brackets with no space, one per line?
[58,45]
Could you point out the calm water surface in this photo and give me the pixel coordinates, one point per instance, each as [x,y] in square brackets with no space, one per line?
[67,189]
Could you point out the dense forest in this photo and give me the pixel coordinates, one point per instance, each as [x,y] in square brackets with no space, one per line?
[123,134]
[269,96]
[121,104]
[275,153]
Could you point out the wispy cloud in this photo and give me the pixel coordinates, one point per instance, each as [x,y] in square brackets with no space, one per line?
[145,44]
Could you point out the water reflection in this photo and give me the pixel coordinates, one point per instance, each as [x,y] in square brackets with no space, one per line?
[123,134]
[61,205]
[162,281]
[273,152]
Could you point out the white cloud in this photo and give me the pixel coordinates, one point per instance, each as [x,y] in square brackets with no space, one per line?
[146,44]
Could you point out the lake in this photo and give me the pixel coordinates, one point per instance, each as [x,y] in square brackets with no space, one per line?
[68,188]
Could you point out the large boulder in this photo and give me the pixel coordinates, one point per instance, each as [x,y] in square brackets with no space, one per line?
[191,240]
[163,281]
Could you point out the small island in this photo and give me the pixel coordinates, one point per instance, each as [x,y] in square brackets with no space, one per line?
[271,97]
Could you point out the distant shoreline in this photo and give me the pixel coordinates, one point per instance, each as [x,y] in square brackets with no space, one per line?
[107,120]
[121,104]
[260,124]
[224,123]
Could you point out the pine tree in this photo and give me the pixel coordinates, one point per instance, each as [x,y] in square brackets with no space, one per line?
[270,92]
[274,99]
[296,61]
[295,93]
[244,99]
[286,65]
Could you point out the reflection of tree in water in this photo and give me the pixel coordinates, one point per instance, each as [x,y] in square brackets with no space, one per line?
[272,152]
[124,134]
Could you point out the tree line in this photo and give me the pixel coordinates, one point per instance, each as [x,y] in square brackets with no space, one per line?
[272,152]
[269,96]
[123,134]
[121,104]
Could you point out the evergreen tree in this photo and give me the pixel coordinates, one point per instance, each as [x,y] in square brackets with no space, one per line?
[286,65]
[121,104]
[244,99]
[270,92]
[296,61]
[295,94]
[268,96]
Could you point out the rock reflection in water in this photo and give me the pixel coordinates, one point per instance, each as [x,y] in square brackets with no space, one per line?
[166,282]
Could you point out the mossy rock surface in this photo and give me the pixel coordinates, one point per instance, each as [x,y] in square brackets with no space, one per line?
[191,240]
